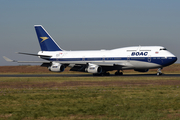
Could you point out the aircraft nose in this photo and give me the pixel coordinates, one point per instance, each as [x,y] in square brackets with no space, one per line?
[169,61]
[174,59]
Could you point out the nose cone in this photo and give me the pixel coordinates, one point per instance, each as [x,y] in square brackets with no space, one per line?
[170,61]
[174,59]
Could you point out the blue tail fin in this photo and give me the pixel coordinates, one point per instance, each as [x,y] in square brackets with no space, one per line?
[45,40]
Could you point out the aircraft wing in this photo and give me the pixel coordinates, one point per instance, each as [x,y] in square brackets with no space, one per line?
[120,64]
[108,64]
[9,60]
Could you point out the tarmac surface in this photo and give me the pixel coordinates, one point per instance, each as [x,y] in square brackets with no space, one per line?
[85,75]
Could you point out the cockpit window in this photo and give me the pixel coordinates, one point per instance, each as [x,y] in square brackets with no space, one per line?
[163,49]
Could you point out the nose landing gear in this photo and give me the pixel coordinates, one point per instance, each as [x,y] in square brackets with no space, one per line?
[159,72]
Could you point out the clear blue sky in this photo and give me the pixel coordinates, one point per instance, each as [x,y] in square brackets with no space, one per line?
[88,24]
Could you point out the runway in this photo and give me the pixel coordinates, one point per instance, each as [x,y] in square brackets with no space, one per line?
[86,75]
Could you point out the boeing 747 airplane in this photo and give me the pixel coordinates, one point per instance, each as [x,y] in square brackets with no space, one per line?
[99,62]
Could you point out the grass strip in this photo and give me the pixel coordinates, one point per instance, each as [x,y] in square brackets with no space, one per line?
[90,98]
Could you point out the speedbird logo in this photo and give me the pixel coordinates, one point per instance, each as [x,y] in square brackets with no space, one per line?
[43,39]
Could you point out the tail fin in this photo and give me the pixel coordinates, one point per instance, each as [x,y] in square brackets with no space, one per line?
[46,42]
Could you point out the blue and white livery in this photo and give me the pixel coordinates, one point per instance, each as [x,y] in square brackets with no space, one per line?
[99,62]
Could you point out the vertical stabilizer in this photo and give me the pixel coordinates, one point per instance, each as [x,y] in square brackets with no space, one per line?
[46,42]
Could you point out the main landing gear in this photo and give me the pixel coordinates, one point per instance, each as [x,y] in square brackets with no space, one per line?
[159,72]
[118,73]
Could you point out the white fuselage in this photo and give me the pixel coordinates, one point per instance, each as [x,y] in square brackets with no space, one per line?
[138,57]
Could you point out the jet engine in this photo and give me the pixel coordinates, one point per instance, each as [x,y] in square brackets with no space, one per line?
[92,68]
[141,70]
[56,67]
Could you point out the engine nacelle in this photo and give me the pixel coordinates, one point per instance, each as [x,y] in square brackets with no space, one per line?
[141,70]
[92,68]
[56,67]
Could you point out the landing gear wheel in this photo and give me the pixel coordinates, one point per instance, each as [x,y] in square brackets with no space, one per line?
[158,74]
[118,73]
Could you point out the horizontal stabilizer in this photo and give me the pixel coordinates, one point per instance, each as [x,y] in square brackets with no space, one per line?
[34,54]
[9,60]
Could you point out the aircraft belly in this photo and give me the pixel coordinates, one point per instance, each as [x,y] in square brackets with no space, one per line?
[141,64]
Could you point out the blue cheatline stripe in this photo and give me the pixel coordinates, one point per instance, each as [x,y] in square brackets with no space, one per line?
[157,60]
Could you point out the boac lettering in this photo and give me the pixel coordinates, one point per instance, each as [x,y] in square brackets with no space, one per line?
[139,53]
